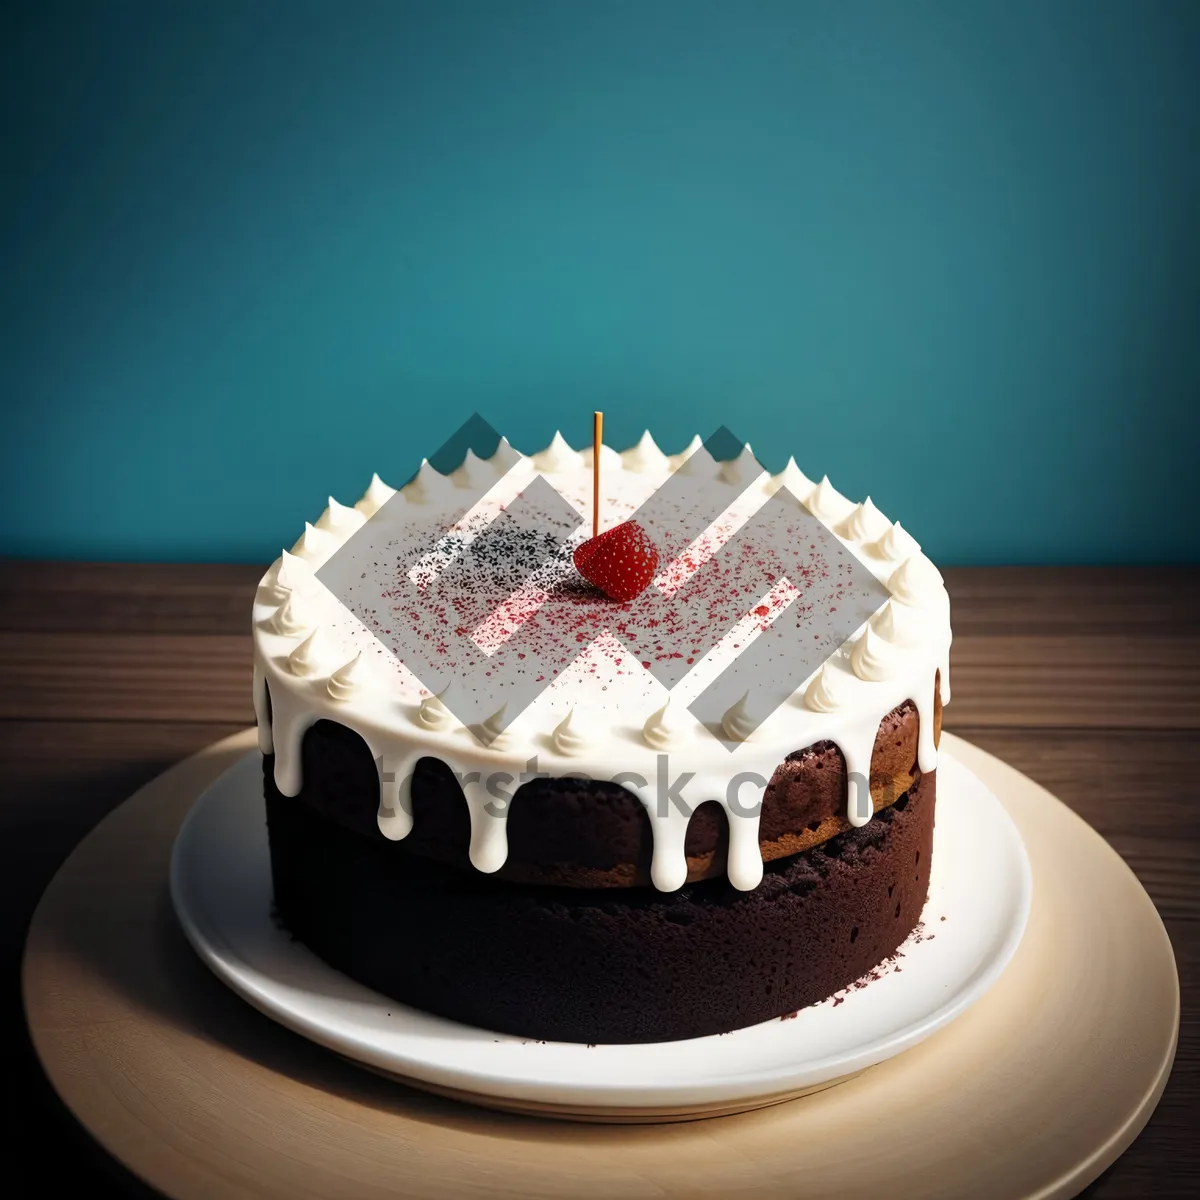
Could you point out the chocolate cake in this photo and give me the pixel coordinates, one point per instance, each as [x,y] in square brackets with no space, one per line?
[603,864]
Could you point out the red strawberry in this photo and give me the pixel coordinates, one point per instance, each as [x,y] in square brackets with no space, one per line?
[620,562]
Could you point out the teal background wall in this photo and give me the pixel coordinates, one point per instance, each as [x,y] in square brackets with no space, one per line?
[946,252]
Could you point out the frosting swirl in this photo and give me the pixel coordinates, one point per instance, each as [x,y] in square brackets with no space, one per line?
[433,714]
[677,460]
[348,680]
[375,497]
[699,462]
[744,469]
[899,623]
[427,485]
[567,738]
[737,723]
[827,690]
[288,618]
[494,732]
[304,660]
[896,543]
[610,460]
[914,580]
[474,472]
[339,520]
[827,504]
[557,456]
[645,456]
[792,478]
[315,545]
[505,457]
[285,573]
[864,523]
[873,657]
[664,728]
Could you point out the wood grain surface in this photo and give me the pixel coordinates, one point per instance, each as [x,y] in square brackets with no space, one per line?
[1086,679]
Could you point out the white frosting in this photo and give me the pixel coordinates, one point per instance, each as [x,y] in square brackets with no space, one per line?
[665,728]
[744,469]
[286,573]
[645,456]
[865,523]
[675,461]
[375,497]
[610,460]
[569,739]
[495,735]
[427,486]
[474,472]
[349,680]
[737,722]
[433,714]
[915,580]
[699,463]
[897,543]
[288,619]
[828,690]
[506,457]
[339,520]
[558,457]
[874,657]
[315,545]
[900,623]
[827,504]
[603,715]
[793,479]
[306,658]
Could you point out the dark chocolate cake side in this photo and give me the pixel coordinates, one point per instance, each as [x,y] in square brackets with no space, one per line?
[601,965]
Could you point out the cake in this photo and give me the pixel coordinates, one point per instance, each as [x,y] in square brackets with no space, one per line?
[602,820]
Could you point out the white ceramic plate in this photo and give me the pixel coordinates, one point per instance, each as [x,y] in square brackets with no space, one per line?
[981,885]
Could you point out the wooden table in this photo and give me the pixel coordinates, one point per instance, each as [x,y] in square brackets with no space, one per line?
[1086,679]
